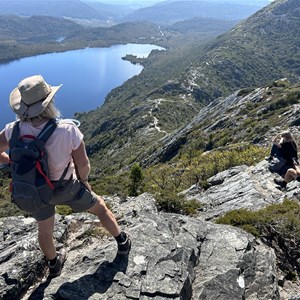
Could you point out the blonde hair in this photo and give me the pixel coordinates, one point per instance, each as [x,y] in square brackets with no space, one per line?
[288,136]
[48,113]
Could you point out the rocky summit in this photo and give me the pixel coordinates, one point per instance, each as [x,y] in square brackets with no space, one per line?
[172,256]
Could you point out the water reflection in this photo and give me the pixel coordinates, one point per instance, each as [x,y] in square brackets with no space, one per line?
[87,75]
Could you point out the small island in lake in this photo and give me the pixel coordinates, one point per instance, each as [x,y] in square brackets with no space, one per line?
[134,59]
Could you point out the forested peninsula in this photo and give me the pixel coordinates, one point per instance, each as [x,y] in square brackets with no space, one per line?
[28,36]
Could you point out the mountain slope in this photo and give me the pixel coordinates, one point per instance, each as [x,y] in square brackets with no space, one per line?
[248,116]
[258,50]
[110,11]
[175,85]
[13,27]
[203,25]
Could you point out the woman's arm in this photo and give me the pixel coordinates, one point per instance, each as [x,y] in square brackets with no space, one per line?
[4,159]
[82,164]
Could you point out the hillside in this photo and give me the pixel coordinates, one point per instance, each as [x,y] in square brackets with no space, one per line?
[28,36]
[248,116]
[90,13]
[12,27]
[141,115]
[260,49]
[108,11]
[203,25]
[55,8]
[169,12]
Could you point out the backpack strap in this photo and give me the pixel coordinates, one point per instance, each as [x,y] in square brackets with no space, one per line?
[62,177]
[47,130]
[44,135]
[15,135]
[64,172]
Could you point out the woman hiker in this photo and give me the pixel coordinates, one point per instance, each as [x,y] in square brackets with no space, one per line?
[285,146]
[32,101]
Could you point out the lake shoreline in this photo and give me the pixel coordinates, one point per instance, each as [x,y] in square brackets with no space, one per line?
[4,61]
[88,75]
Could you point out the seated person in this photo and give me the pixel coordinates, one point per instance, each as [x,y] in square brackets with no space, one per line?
[290,175]
[284,145]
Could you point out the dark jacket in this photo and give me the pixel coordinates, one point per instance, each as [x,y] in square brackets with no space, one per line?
[289,151]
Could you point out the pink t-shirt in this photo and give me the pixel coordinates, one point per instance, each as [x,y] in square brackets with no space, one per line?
[65,138]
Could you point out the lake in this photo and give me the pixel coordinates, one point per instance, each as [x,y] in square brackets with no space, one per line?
[87,75]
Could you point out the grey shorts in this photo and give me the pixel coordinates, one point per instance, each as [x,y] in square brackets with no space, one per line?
[72,193]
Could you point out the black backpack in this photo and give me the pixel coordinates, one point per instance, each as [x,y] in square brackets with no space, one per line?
[31,187]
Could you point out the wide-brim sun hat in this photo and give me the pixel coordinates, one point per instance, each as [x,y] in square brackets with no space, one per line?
[32,95]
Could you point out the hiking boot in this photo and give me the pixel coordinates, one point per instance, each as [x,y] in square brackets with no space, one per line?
[124,248]
[55,270]
[280,182]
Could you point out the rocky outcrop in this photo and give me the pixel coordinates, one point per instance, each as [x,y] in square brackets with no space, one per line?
[172,256]
[241,187]
[253,188]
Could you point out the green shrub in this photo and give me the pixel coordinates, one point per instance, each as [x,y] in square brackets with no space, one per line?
[63,210]
[196,167]
[93,231]
[245,219]
[244,92]
[284,217]
[174,203]
[136,180]
[8,209]
[112,185]
[279,227]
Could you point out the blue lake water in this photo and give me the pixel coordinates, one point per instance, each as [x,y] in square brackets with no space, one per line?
[87,75]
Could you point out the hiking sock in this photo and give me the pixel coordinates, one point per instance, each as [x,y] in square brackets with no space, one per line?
[52,262]
[282,183]
[121,238]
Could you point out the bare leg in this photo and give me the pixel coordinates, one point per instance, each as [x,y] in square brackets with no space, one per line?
[106,217]
[45,236]
[290,175]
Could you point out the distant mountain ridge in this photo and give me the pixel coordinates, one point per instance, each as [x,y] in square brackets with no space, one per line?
[64,8]
[13,27]
[57,8]
[163,12]
[110,11]
[169,12]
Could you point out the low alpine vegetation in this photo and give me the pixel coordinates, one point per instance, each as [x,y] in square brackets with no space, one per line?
[276,224]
